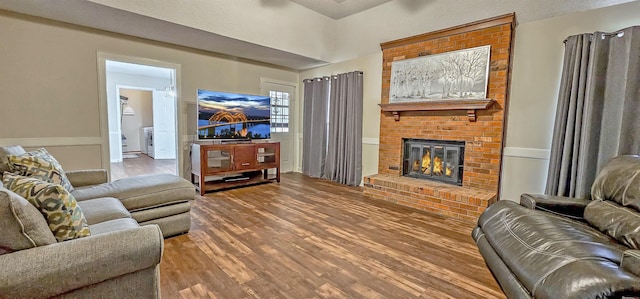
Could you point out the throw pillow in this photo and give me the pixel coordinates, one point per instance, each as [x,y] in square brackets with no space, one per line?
[41,165]
[22,224]
[58,206]
[5,151]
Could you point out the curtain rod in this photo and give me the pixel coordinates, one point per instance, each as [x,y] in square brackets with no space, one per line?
[603,36]
[329,77]
[611,34]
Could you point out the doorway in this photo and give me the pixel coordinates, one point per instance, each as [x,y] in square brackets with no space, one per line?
[142,116]
[282,96]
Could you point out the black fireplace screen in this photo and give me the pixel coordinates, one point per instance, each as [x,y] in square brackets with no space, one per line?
[439,160]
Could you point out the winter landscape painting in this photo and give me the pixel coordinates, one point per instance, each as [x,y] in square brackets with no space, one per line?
[448,76]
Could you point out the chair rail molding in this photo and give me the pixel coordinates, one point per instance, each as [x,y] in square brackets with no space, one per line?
[530,153]
[51,141]
[372,141]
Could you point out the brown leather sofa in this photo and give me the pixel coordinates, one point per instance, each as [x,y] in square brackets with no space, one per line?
[558,247]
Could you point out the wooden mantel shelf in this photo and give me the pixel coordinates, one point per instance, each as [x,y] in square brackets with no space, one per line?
[470,105]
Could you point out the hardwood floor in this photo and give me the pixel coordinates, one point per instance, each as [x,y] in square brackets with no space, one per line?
[310,238]
[141,165]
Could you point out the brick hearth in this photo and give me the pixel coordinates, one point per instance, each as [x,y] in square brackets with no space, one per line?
[444,199]
[483,138]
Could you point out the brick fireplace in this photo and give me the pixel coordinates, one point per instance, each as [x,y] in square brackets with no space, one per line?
[479,130]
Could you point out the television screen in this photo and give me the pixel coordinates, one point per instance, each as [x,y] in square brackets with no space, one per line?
[224,115]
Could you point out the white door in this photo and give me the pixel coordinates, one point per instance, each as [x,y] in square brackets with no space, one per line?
[164,126]
[282,105]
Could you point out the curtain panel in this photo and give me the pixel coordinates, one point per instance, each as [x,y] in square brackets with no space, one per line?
[314,131]
[598,104]
[344,147]
[332,130]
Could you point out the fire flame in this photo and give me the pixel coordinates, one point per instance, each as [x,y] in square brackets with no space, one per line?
[438,165]
[426,162]
[243,132]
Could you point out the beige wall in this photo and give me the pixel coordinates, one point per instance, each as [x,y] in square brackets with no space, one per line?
[49,79]
[371,66]
[534,89]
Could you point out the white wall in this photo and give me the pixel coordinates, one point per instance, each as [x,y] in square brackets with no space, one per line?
[535,82]
[277,24]
[287,26]
[362,33]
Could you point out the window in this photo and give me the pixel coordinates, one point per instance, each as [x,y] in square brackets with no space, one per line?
[279,111]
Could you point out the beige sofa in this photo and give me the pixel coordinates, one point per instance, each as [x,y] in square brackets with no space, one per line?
[119,260]
[128,219]
[161,199]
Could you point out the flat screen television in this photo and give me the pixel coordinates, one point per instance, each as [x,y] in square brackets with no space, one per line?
[226,115]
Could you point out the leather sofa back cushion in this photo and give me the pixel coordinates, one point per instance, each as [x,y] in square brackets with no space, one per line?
[22,225]
[619,181]
[620,223]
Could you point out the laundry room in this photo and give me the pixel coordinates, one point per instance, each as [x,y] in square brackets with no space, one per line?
[137,122]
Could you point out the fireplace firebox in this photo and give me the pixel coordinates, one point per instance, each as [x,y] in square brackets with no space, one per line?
[438,160]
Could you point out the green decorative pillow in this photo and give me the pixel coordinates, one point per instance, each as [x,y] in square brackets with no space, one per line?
[41,165]
[58,206]
[22,224]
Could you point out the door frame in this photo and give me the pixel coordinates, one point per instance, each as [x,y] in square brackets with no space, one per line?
[293,121]
[102,58]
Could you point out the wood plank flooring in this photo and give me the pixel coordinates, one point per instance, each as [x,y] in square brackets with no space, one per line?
[141,165]
[310,238]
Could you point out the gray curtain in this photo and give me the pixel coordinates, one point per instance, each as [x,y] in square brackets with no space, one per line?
[598,108]
[314,143]
[344,147]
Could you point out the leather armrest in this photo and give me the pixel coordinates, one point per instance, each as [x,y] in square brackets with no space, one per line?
[564,206]
[50,270]
[631,261]
[81,178]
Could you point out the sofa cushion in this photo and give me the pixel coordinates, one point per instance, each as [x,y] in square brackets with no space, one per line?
[555,257]
[22,224]
[621,223]
[142,215]
[40,164]
[141,192]
[58,206]
[103,209]
[113,225]
[619,181]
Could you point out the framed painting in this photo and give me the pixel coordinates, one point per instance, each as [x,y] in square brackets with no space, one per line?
[457,75]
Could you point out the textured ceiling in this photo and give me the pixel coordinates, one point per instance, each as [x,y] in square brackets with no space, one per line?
[337,9]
